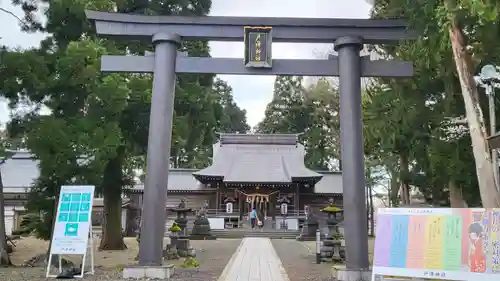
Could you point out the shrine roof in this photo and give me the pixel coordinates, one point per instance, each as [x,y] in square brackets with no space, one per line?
[258,158]
[21,170]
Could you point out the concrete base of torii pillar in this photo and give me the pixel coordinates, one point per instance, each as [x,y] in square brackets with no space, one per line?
[341,273]
[161,272]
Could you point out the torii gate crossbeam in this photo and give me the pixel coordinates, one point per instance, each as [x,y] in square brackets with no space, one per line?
[290,30]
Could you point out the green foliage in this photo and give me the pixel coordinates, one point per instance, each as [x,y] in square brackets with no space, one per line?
[422,119]
[190,262]
[174,228]
[30,224]
[311,112]
[285,112]
[231,118]
[337,236]
[331,209]
[97,129]
[4,146]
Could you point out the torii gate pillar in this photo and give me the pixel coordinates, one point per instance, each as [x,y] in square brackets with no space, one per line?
[160,124]
[352,154]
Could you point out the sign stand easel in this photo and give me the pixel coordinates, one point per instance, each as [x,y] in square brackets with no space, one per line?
[90,251]
[73,228]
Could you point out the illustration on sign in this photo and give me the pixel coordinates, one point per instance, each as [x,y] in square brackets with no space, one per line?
[73,221]
[450,244]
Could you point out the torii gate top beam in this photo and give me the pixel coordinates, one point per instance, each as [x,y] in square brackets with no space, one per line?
[293,30]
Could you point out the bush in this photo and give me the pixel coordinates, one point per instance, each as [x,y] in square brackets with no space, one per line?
[175,228]
[29,224]
[331,209]
[190,262]
[337,236]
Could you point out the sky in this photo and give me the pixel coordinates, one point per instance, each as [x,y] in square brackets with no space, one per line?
[252,93]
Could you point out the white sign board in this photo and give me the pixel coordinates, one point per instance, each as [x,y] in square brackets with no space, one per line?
[439,244]
[73,220]
[216,223]
[73,226]
[293,224]
[229,208]
[284,208]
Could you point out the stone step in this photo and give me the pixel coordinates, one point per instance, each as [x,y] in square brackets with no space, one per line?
[255,233]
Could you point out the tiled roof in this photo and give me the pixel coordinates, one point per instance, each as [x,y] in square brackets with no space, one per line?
[179,180]
[277,158]
[19,171]
[240,158]
[262,139]
[330,183]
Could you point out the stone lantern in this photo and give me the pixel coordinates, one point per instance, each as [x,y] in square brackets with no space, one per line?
[201,228]
[332,244]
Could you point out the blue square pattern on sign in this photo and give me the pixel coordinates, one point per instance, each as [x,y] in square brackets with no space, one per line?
[66,197]
[73,217]
[85,207]
[76,197]
[64,207]
[71,229]
[63,217]
[86,197]
[83,217]
[74,207]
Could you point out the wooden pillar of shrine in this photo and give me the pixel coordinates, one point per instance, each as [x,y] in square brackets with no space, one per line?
[241,204]
[296,205]
[217,200]
[272,206]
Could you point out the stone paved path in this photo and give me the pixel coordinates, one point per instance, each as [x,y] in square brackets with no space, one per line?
[254,260]
[213,255]
[300,262]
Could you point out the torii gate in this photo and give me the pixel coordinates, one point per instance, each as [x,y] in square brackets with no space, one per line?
[166,33]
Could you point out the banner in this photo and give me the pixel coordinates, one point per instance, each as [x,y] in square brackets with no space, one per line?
[442,244]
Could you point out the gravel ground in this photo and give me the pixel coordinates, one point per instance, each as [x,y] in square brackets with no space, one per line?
[299,262]
[38,274]
[212,256]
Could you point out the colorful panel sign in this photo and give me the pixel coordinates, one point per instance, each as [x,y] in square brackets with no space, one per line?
[445,244]
[73,220]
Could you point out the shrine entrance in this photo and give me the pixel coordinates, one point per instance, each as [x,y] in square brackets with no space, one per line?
[263,201]
[259,202]
[272,206]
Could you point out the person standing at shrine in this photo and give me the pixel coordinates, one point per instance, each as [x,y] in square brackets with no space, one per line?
[253,218]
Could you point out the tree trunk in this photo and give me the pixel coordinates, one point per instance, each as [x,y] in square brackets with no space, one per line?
[487,188]
[112,233]
[403,179]
[4,255]
[456,196]
[394,190]
[372,218]
[367,208]
[369,200]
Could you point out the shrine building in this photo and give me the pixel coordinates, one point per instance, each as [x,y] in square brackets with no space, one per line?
[261,171]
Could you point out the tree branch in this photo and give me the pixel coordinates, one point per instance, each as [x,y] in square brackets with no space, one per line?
[14,15]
